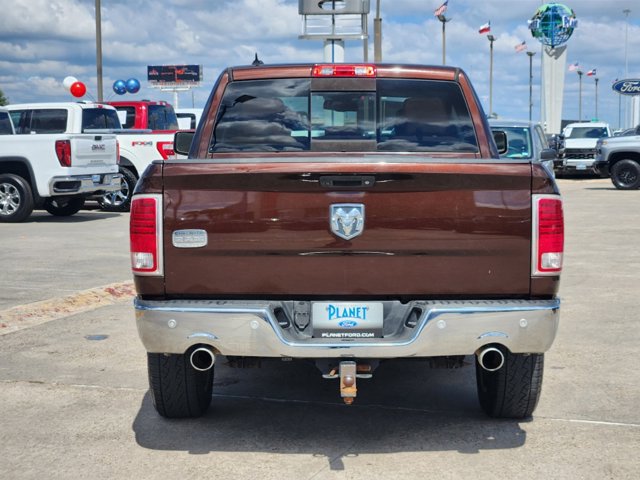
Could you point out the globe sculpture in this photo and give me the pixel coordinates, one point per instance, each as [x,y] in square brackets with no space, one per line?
[553,24]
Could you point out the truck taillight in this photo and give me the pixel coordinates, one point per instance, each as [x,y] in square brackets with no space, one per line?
[145,232]
[548,235]
[166,150]
[63,151]
[339,70]
[117,152]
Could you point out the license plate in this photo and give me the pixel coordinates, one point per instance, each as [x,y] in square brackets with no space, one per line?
[347,319]
[96,179]
[581,166]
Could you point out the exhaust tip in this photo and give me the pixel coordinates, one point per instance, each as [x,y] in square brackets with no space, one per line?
[202,359]
[491,359]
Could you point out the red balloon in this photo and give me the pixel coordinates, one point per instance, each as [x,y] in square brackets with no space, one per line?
[78,89]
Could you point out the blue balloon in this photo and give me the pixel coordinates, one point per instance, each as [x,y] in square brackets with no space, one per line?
[133,85]
[119,87]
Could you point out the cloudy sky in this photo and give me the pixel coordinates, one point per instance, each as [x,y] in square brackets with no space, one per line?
[44,41]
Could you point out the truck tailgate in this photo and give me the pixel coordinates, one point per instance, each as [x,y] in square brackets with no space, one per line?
[459,229]
[93,152]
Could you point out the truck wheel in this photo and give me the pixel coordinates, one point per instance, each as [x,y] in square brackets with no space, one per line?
[64,208]
[625,174]
[513,390]
[120,200]
[177,389]
[16,199]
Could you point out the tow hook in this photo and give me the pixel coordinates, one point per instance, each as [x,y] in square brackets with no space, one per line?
[348,372]
[348,389]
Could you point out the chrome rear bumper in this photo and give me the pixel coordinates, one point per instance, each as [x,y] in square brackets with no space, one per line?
[79,184]
[243,328]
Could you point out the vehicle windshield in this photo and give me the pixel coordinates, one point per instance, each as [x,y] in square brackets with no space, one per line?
[287,115]
[99,118]
[519,144]
[586,132]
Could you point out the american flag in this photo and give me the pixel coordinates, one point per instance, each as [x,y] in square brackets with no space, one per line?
[441,9]
[574,66]
[521,47]
[591,73]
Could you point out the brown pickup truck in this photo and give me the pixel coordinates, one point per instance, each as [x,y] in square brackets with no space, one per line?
[347,215]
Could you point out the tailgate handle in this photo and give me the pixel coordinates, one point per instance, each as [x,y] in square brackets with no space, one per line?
[347,181]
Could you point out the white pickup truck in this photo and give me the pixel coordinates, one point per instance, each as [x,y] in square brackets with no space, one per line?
[47,162]
[580,140]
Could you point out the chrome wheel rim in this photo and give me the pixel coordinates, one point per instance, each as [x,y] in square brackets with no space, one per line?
[118,198]
[9,199]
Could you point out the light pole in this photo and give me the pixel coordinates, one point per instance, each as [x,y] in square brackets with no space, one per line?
[99,49]
[530,54]
[377,35]
[580,73]
[444,21]
[626,12]
[491,39]
[596,80]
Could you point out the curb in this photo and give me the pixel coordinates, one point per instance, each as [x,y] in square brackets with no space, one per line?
[26,316]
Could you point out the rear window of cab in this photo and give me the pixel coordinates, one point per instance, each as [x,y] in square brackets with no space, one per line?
[287,115]
[6,127]
[99,118]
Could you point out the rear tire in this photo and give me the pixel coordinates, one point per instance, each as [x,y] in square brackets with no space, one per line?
[120,201]
[64,208]
[177,389]
[625,175]
[16,199]
[512,391]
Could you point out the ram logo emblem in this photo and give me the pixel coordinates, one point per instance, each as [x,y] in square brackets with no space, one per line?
[347,219]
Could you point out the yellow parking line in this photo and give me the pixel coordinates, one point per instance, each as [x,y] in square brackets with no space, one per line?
[25,316]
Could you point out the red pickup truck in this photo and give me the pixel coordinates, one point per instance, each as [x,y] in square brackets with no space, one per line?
[147,135]
[348,215]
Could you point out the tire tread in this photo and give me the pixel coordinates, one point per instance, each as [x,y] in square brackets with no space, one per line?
[514,390]
[178,391]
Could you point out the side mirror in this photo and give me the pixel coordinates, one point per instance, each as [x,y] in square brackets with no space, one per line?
[548,154]
[182,142]
[500,138]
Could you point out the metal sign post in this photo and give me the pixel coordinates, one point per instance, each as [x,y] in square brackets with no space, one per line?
[335,21]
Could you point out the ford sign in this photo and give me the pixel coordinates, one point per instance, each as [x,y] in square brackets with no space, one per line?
[348,324]
[627,87]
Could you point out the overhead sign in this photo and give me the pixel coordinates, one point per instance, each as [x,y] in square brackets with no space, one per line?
[627,87]
[174,74]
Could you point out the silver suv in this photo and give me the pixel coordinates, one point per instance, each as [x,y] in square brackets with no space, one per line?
[525,140]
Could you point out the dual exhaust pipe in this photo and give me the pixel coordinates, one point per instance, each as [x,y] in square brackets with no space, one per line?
[490,358]
[202,359]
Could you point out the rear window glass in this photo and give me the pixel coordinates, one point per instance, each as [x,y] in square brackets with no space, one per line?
[99,118]
[285,115]
[5,124]
[187,121]
[129,116]
[162,117]
[52,120]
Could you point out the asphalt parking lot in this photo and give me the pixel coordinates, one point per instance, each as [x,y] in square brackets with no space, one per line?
[73,383]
